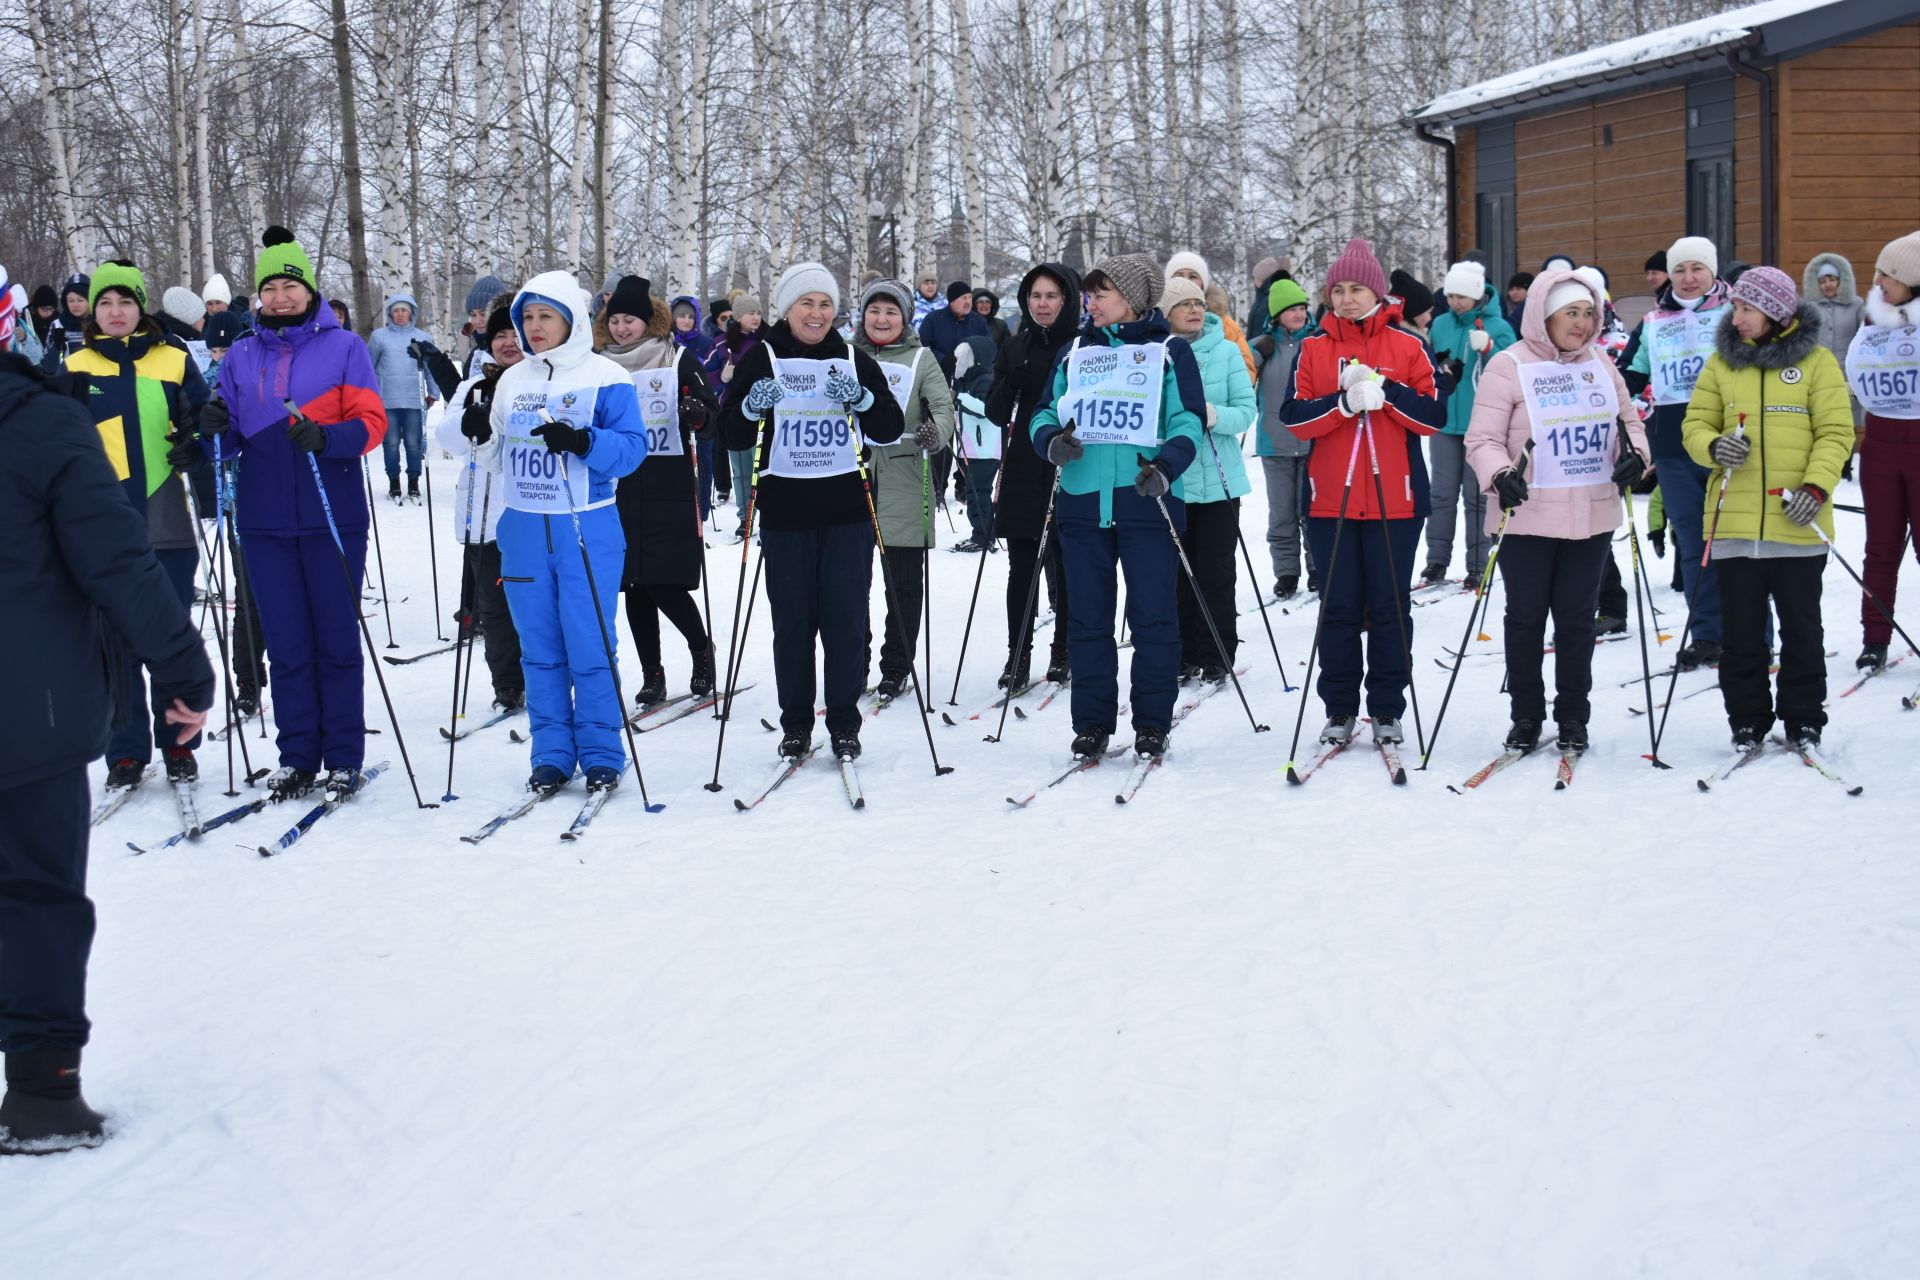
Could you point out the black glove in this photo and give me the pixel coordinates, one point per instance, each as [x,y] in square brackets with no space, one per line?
[476,424]
[927,436]
[1649,481]
[413,349]
[1455,369]
[307,434]
[214,417]
[1264,346]
[1629,469]
[1512,488]
[1065,448]
[185,454]
[561,438]
[1659,540]
[1152,482]
[693,412]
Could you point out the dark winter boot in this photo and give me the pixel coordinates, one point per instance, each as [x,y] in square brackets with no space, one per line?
[43,1112]
[1800,734]
[700,683]
[1573,736]
[1605,624]
[653,687]
[1701,653]
[1149,742]
[413,486]
[288,783]
[1058,669]
[1524,735]
[509,699]
[1189,671]
[393,487]
[343,781]
[602,777]
[1872,658]
[1748,737]
[1286,587]
[125,772]
[794,745]
[891,686]
[1090,743]
[547,779]
[1434,572]
[1018,673]
[246,702]
[181,766]
[1313,582]
[846,744]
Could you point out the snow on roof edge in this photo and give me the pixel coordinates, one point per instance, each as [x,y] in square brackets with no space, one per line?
[1695,39]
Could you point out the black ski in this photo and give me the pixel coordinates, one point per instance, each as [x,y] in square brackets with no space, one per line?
[333,802]
[389,659]
[786,770]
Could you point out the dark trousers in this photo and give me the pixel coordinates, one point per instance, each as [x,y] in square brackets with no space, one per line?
[499,640]
[1613,589]
[46,921]
[1558,577]
[907,565]
[136,735]
[980,473]
[1210,540]
[1146,554]
[248,640]
[1890,491]
[1683,489]
[1792,584]
[644,607]
[818,584]
[1360,596]
[310,613]
[1021,554]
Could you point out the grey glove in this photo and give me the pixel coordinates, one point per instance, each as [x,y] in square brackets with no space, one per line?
[927,436]
[1804,504]
[846,388]
[762,396]
[1065,448]
[1152,481]
[1730,451]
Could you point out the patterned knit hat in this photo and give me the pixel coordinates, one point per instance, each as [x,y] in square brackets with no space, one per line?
[1769,291]
[1901,260]
[1134,276]
[282,256]
[1357,265]
[118,274]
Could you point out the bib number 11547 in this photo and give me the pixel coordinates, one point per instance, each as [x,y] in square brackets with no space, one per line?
[1578,441]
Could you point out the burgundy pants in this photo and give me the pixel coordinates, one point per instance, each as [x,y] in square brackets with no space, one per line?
[1890,488]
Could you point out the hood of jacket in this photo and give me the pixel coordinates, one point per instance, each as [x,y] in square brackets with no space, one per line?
[1885,314]
[659,325]
[401,298]
[1782,351]
[1533,322]
[1848,292]
[1212,333]
[1067,323]
[559,290]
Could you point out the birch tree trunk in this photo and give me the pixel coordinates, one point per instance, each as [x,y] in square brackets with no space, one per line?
[603,148]
[1107,123]
[976,194]
[49,69]
[679,168]
[767,48]
[449,259]
[392,108]
[350,160]
[247,131]
[183,211]
[924,256]
[697,150]
[516,181]
[1236,145]
[1179,222]
[577,157]
[910,207]
[484,193]
[203,179]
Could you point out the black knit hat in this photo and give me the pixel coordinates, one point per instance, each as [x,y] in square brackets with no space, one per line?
[959,289]
[1658,262]
[632,296]
[719,307]
[499,319]
[1520,280]
[1415,298]
[44,296]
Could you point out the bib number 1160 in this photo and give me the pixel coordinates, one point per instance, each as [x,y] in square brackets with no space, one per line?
[532,463]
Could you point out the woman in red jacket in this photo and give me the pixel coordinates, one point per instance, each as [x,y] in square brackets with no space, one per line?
[1362,391]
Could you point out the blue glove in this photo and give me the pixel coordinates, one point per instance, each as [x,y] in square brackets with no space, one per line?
[846,388]
[763,395]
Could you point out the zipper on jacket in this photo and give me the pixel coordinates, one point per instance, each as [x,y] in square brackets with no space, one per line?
[1762,536]
[547,523]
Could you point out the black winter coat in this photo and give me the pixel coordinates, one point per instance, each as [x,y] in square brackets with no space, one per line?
[659,512]
[1022,381]
[80,581]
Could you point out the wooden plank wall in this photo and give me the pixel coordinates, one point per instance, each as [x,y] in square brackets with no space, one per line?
[1465,202]
[1553,181]
[1746,173]
[1850,149]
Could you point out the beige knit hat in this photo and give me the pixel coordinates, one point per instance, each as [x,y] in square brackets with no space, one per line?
[1179,290]
[1901,260]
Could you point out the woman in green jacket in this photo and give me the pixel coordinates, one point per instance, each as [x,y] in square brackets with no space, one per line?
[1770,415]
[903,489]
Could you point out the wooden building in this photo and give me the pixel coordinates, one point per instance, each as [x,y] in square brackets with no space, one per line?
[1779,131]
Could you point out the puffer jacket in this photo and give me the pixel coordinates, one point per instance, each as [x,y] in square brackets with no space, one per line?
[399,373]
[143,388]
[1636,365]
[1219,472]
[1273,439]
[1022,382]
[903,492]
[1793,398]
[1840,315]
[1502,425]
[1452,339]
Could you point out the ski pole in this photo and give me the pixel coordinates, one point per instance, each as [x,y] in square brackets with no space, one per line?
[433,555]
[1033,598]
[1482,601]
[466,639]
[737,638]
[993,517]
[1393,575]
[1867,590]
[920,698]
[1706,561]
[926,558]
[1213,629]
[1326,585]
[600,617]
[1253,577]
[379,560]
[692,446]
[236,727]
[353,591]
[1640,614]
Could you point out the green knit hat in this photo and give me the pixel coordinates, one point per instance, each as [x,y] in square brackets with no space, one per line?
[118,274]
[1282,294]
[283,256]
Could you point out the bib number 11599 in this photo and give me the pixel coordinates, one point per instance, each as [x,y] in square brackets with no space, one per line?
[810,433]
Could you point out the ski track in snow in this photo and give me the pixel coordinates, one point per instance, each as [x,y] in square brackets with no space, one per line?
[1233,1029]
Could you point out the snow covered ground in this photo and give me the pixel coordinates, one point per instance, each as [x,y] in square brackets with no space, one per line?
[1235,1029]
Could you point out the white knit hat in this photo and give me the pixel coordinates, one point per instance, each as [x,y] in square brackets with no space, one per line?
[1465,280]
[1694,249]
[183,305]
[799,280]
[1569,291]
[216,289]
[1190,262]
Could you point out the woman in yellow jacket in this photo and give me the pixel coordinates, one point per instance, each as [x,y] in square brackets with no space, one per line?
[1770,414]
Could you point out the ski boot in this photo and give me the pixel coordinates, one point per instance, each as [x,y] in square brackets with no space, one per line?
[393,487]
[1701,653]
[1872,658]
[795,744]
[1150,742]
[1387,729]
[1213,673]
[653,687]
[181,766]
[1058,669]
[846,744]
[1434,572]
[1189,671]
[125,772]
[1339,731]
[1749,737]
[1523,736]
[1573,736]
[288,783]
[891,686]
[43,1112]
[509,699]
[1090,743]
[1286,587]
[1017,674]
[547,779]
[603,777]
[1801,734]
[413,487]
[700,683]
[1605,624]
[246,702]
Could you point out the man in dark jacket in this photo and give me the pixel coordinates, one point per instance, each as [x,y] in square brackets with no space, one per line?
[80,578]
[944,330]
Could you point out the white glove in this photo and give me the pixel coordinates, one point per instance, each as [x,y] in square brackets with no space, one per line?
[1212,417]
[1354,372]
[1366,397]
[1480,340]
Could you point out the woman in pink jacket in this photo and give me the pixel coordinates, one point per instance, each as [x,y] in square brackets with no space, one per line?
[1554,390]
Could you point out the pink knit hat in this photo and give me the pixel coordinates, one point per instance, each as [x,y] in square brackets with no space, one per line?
[1769,291]
[1357,265]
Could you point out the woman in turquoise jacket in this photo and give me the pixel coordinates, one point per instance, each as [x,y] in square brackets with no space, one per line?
[1470,332]
[1214,484]
[1122,423]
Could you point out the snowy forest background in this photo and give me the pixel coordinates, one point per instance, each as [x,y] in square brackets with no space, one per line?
[706,143]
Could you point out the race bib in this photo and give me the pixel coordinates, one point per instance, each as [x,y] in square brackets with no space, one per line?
[1677,350]
[1113,393]
[813,436]
[535,478]
[1574,413]
[900,380]
[975,436]
[201,356]
[1883,369]
[659,396]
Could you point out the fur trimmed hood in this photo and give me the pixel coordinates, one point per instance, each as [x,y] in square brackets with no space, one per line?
[1784,350]
[1885,314]
[659,325]
[1810,279]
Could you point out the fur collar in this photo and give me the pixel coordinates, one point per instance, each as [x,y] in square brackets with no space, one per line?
[1888,316]
[1784,350]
